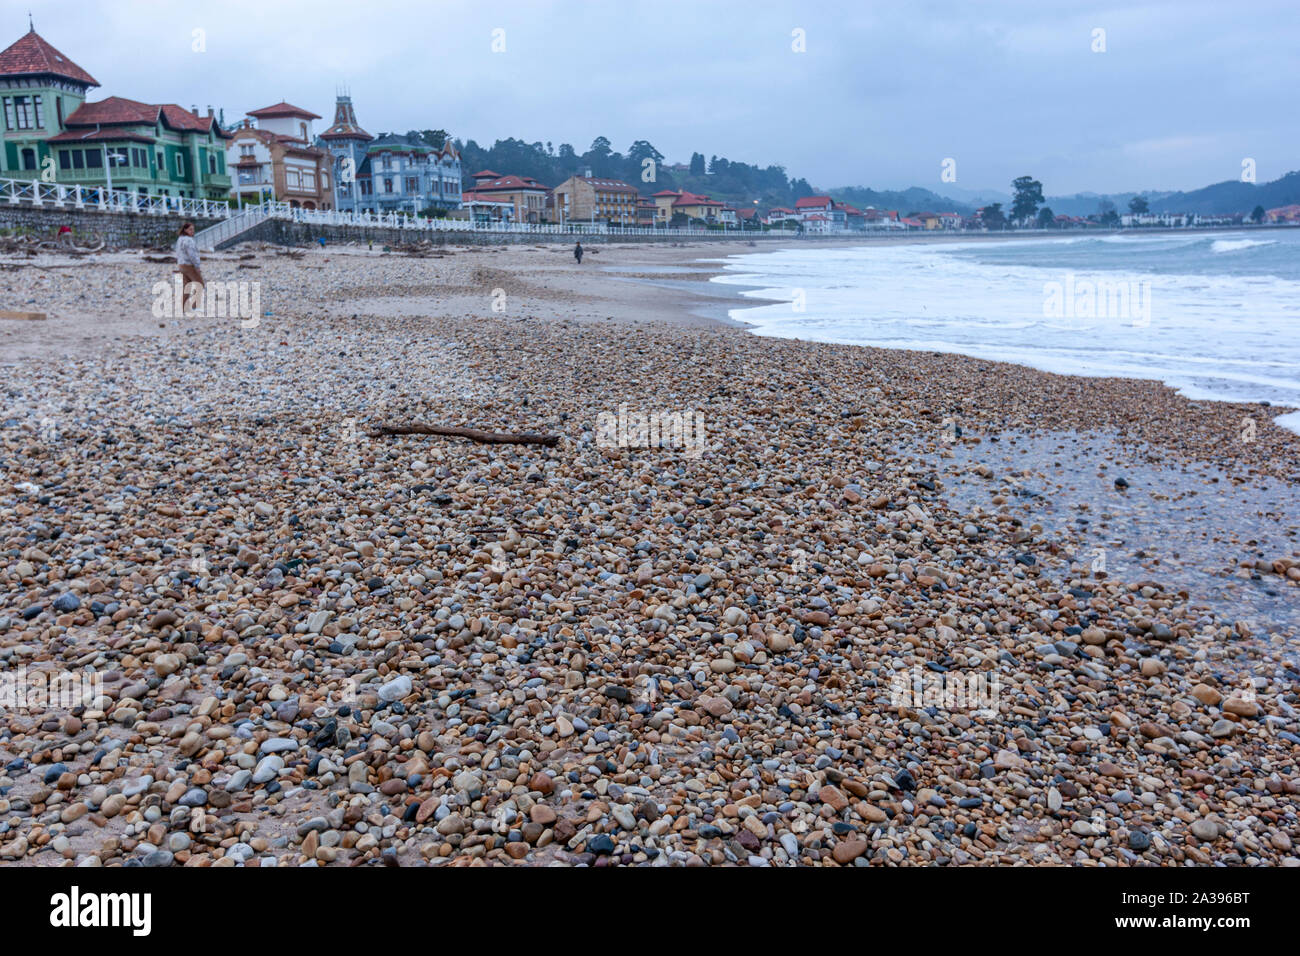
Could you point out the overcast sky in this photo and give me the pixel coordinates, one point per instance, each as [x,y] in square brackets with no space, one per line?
[883,93]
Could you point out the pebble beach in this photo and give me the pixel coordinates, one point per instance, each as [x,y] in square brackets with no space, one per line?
[316,644]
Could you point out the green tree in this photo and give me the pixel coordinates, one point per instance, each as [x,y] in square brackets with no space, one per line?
[697,164]
[1258,214]
[430,137]
[642,150]
[601,158]
[1028,197]
[1138,206]
[1046,218]
[992,216]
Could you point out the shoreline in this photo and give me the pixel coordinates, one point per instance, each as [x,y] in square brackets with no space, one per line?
[734,294]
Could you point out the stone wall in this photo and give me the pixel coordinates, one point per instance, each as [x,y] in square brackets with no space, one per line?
[129,229]
[88,225]
[287,233]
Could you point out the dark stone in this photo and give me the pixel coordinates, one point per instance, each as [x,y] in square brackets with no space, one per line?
[601,844]
[67,602]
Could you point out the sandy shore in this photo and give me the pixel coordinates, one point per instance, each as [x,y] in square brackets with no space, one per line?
[320,646]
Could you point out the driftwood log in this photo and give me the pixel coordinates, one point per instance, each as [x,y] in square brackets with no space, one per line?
[473,434]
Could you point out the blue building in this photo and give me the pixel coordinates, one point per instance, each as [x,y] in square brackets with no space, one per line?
[393,173]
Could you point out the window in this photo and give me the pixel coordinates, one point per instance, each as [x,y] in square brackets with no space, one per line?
[94,159]
[161,165]
[29,159]
[40,113]
[78,159]
[212,164]
[246,150]
[10,121]
[65,159]
[23,111]
[180,166]
[412,185]
[58,110]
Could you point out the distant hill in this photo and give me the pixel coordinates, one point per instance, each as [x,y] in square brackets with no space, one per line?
[1223,198]
[1233,196]
[914,199]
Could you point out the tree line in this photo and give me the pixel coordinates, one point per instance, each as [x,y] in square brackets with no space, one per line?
[641,165]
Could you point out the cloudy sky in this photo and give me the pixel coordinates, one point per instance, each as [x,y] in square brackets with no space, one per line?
[881,94]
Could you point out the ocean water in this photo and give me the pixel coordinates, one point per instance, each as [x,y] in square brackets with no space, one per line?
[1216,316]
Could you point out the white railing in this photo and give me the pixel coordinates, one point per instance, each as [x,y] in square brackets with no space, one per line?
[405,221]
[248,217]
[235,221]
[37,193]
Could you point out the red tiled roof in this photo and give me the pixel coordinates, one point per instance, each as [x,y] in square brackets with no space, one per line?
[345,132]
[282,109]
[507,184]
[667,192]
[30,55]
[295,143]
[813,202]
[614,185]
[98,135]
[695,199]
[486,173]
[180,118]
[117,110]
[473,196]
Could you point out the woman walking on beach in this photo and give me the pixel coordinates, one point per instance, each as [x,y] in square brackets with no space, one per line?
[577,253]
[187,262]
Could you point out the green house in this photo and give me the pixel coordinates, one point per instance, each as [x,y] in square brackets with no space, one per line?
[51,133]
[39,89]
